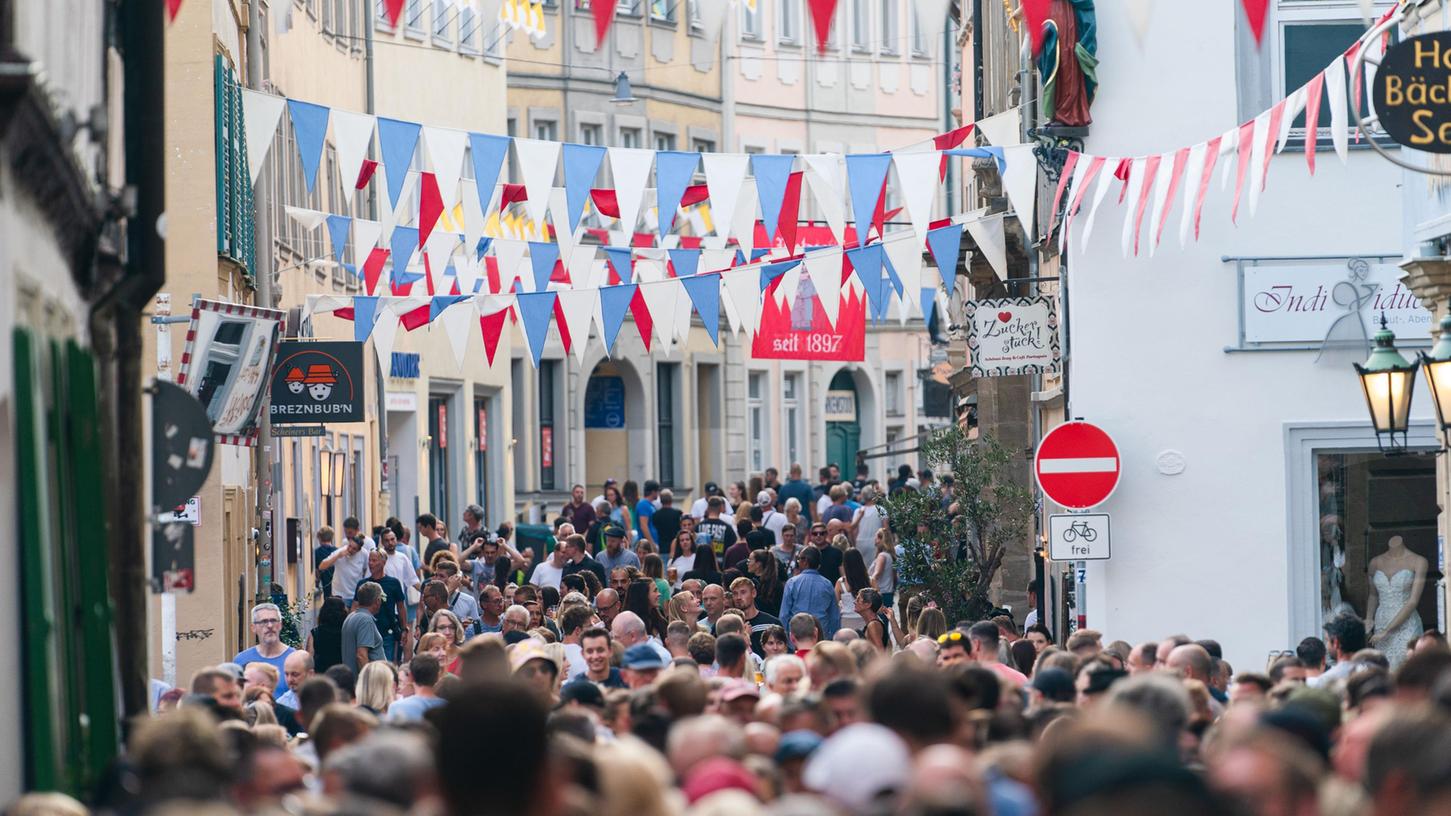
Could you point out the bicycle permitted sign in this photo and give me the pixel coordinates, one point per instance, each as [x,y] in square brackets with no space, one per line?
[1078,537]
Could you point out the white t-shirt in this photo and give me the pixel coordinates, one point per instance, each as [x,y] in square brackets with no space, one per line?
[400,566]
[822,503]
[698,508]
[575,655]
[774,521]
[869,520]
[546,574]
[348,570]
[681,564]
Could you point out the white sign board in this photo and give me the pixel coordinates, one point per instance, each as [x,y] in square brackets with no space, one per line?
[191,513]
[1078,537]
[1013,336]
[840,406]
[1306,302]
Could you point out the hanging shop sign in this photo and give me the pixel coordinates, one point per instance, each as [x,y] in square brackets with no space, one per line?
[1317,302]
[1412,92]
[1013,336]
[799,330]
[181,445]
[229,352]
[318,382]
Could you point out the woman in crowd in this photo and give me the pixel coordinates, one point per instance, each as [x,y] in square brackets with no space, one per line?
[884,567]
[766,571]
[853,579]
[377,687]
[629,500]
[446,623]
[325,641]
[652,567]
[682,555]
[704,567]
[774,642]
[797,519]
[865,523]
[643,598]
[684,607]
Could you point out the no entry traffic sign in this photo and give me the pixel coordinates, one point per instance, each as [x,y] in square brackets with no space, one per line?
[1077,465]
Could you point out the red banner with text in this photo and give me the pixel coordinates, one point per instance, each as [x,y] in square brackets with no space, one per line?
[802,332]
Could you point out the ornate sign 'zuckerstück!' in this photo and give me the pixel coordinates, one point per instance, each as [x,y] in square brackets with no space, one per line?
[1013,336]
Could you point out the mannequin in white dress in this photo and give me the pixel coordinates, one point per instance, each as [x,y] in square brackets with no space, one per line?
[1397,579]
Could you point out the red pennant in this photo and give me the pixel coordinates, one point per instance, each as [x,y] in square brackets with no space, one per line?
[559,324]
[1246,143]
[1064,176]
[394,9]
[491,326]
[1277,115]
[428,276]
[606,202]
[643,321]
[1035,14]
[1095,166]
[1255,12]
[373,268]
[172,7]
[1211,158]
[1181,159]
[948,141]
[491,269]
[879,216]
[511,194]
[345,313]
[365,174]
[430,207]
[415,319]
[790,208]
[604,14]
[821,13]
[1122,172]
[1146,191]
[1314,89]
[397,289]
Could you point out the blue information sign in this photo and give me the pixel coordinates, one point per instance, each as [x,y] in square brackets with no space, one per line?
[604,403]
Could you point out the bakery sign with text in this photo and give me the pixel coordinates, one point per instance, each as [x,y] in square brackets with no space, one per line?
[1412,92]
[318,382]
[1013,336]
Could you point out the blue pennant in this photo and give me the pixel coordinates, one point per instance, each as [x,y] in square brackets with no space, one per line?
[351,269]
[535,310]
[483,248]
[883,301]
[892,274]
[365,314]
[397,140]
[488,154]
[865,174]
[867,261]
[542,257]
[337,229]
[772,172]
[994,153]
[614,302]
[309,122]
[403,244]
[619,258]
[438,303]
[929,302]
[673,172]
[685,261]
[944,242]
[581,164]
[770,272]
[704,291]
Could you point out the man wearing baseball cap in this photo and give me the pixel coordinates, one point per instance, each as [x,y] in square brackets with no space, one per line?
[615,555]
[642,664]
[698,508]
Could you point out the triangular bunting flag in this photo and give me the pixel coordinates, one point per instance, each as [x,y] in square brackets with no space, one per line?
[824,270]
[704,292]
[396,141]
[403,244]
[309,123]
[365,314]
[535,311]
[825,172]
[620,261]
[905,257]
[987,233]
[744,290]
[1020,182]
[660,298]
[614,303]
[1002,129]
[821,13]
[338,227]
[578,306]
[430,206]
[308,220]
[1335,92]
[446,150]
[488,154]
[581,165]
[673,172]
[508,254]
[724,175]
[685,261]
[772,172]
[631,169]
[542,258]
[491,326]
[945,243]
[867,261]
[537,163]
[262,113]
[865,175]
[604,16]
[1255,12]
[917,179]
[456,321]
[352,133]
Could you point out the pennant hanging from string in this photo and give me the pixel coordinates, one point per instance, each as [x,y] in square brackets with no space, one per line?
[403,244]
[542,258]
[904,258]
[1105,182]
[535,311]
[1147,190]
[630,168]
[397,140]
[581,165]
[620,260]
[865,174]
[1246,144]
[1002,129]
[673,172]
[614,303]
[725,173]
[945,243]
[772,172]
[991,239]
[508,255]
[394,8]
[1168,185]
[917,177]
[577,307]
[537,163]
[1255,12]
[825,172]
[262,113]
[488,154]
[660,298]
[604,17]
[821,13]
[352,133]
[685,261]
[456,319]
[446,151]
[1064,177]
[823,267]
[309,123]
[1211,155]
[365,314]
[1258,158]
[373,269]
[338,227]
[1335,90]
[365,236]
[491,327]
[704,292]
[744,290]
[430,206]
[1020,182]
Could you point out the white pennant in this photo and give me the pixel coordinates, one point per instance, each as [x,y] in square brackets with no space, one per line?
[906,257]
[660,297]
[683,308]
[460,322]
[631,169]
[715,260]
[733,317]
[538,162]
[508,254]
[1136,192]
[440,248]
[1160,203]
[1228,156]
[1193,172]
[987,232]
[559,214]
[469,269]
[1335,92]
[743,288]
[1079,171]
[385,330]
[352,133]
[825,172]
[1002,129]
[648,267]
[917,180]
[1294,105]
[307,219]
[724,175]
[474,222]
[580,263]
[824,269]
[263,112]
[578,307]
[1264,140]
[1139,12]
[786,289]
[446,150]
[1105,180]
[323,304]
[744,220]
[1020,181]
[365,237]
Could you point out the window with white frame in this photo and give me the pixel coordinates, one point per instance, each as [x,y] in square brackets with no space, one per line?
[692,10]
[892,389]
[443,17]
[890,13]
[757,420]
[413,17]
[1308,36]
[380,15]
[591,133]
[663,11]
[788,21]
[702,145]
[630,137]
[468,29]
[918,31]
[861,24]
[664,141]
[751,21]
[791,414]
[546,130]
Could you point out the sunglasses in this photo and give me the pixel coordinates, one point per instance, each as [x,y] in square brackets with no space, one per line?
[949,637]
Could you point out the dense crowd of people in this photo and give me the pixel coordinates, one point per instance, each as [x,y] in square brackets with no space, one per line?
[759,655]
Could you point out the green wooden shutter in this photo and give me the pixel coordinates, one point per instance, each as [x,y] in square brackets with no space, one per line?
[236,240]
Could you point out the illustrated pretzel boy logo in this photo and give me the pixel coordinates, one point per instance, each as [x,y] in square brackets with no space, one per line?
[295,381]
[320,381]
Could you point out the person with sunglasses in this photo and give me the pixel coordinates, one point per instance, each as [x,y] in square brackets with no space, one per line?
[267,626]
[953,648]
[809,591]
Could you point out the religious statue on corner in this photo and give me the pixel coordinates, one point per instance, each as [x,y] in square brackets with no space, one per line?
[1068,62]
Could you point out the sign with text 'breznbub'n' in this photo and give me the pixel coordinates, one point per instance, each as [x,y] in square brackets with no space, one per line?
[318,382]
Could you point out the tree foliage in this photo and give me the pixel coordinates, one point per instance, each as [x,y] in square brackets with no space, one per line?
[954,547]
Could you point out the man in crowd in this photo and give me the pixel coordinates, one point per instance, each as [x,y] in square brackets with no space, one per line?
[828,557]
[349,563]
[809,591]
[432,540]
[296,670]
[714,531]
[615,555]
[799,489]
[594,645]
[641,665]
[426,672]
[984,637]
[666,522]
[362,642]
[491,610]
[267,627]
[772,519]
[325,548]
[628,630]
[577,559]
[645,509]
[743,592]
[1312,652]
[579,512]
[838,510]
[550,571]
[1344,636]
[220,687]
[712,604]
[608,605]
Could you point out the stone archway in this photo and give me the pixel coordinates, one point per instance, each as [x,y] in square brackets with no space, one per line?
[616,442]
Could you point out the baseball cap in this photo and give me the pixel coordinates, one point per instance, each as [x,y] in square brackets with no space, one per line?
[797,745]
[1054,684]
[642,656]
[736,689]
[583,692]
[233,669]
[614,531]
[764,498]
[837,771]
[527,650]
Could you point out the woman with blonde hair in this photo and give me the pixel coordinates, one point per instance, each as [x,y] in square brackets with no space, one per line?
[683,607]
[931,624]
[447,624]
[376,688]
[827,661]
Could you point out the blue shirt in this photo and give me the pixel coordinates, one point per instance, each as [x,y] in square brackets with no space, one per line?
[626,558]
[464,605]
[411,709]
[800,490]
[810,592]
[644,515]
[253,656]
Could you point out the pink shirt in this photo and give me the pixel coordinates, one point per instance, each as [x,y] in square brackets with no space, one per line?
[1008,673]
